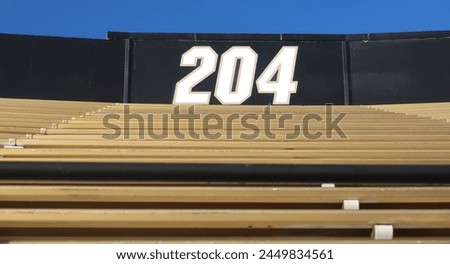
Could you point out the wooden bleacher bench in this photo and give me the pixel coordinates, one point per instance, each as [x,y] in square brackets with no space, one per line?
[49,133]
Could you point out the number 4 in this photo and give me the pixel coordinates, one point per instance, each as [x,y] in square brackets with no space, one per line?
[277,78]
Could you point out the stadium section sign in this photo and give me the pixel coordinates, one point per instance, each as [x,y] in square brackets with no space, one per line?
[236,72]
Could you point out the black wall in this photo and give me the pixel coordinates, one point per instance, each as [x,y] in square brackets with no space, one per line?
[61,68]
[400,71]
[156,70]
[339,69]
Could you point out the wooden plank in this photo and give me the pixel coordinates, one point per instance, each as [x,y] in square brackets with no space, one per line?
[433,110]
[219,240]
[229,153]
[235,137]
[313,126]
[324,161]
[165,218]
[15,101]
[237,194]
[247,134]
[19,130]
[176,144]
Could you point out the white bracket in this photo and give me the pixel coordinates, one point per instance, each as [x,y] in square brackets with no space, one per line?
[350,205]
[43,131]
[12,144]
[328,185]
[383,232]
[7,146]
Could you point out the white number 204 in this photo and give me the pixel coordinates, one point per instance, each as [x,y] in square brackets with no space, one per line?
[277,78]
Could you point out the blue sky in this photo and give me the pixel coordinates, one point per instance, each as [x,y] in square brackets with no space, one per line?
[92,19]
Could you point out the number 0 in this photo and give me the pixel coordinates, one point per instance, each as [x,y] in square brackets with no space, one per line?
[244,79]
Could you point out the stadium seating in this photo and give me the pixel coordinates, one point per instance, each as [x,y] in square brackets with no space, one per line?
[61,210]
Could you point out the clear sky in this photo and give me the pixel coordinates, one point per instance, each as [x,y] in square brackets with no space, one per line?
[93,18]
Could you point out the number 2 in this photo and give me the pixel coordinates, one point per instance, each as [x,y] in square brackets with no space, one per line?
[183,89]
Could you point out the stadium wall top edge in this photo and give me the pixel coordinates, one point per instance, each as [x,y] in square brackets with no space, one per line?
[113,35]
